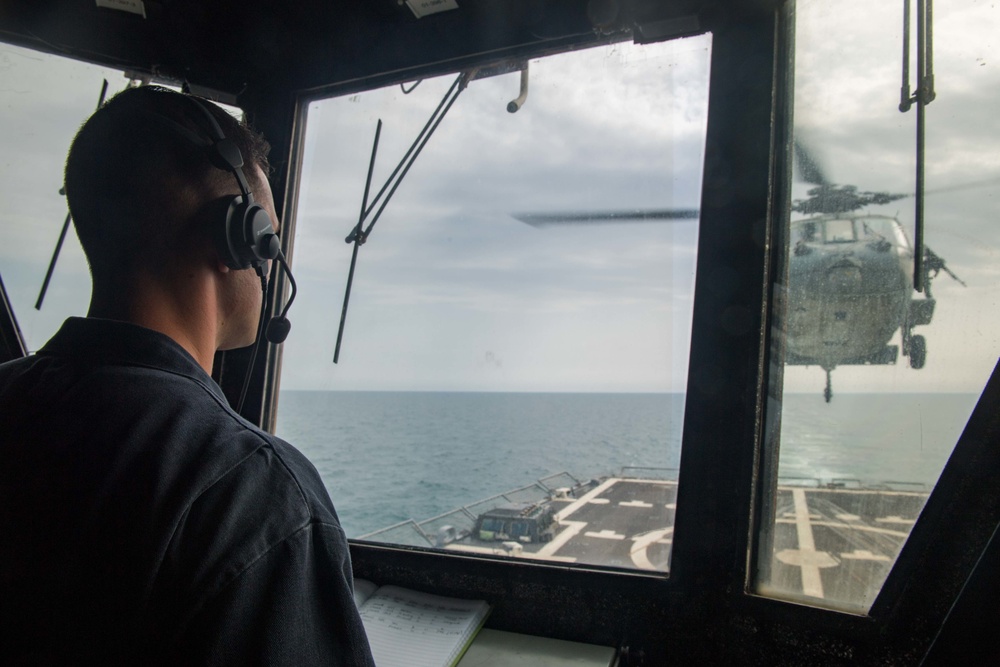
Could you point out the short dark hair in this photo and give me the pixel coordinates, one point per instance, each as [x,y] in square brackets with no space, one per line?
[126,167]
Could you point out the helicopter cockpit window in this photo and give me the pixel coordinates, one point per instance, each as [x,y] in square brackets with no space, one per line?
[839,231]
[46,99]
[878,379]
[511,378]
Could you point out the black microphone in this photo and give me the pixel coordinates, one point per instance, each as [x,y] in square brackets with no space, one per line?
[277,329]
[279,326]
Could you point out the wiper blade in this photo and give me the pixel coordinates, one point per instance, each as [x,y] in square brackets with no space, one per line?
[65,227]
[357,237]
[359,234]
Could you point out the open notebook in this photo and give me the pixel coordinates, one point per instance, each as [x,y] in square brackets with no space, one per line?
[408,628]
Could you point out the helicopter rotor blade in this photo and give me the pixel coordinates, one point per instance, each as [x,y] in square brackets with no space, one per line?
[809,168]
[601,217]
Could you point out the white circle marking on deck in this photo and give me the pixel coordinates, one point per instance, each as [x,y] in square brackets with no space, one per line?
[807,558]
[642,542]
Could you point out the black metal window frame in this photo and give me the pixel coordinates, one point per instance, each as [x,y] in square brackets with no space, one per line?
[648,613]
[704,611]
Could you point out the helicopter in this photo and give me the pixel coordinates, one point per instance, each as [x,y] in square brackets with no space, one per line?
[849,284]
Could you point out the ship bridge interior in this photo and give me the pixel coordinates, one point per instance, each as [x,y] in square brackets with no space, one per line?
[738,575]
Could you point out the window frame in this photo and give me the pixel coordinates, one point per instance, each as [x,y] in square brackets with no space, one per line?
[704,611]
[708,590]
[734,224]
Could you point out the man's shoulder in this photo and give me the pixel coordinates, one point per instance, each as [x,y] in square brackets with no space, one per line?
[142,404]
[10,370]
[15,366]
[280,470]
[266,499]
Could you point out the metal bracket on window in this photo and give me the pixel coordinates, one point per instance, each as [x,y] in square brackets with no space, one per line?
[924,95]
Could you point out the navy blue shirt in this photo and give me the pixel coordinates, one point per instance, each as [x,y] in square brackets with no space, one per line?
[142,521]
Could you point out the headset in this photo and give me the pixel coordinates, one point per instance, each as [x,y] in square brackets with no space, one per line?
[245,236]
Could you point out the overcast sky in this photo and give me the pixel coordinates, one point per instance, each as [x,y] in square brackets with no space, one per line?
[453,293]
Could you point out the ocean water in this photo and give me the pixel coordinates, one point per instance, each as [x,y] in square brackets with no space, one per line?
[390,456]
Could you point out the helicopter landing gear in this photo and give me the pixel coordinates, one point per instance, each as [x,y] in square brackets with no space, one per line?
[918,351]
[914,347]
[828,391]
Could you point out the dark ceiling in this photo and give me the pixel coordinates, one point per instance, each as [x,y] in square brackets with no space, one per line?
[232,46]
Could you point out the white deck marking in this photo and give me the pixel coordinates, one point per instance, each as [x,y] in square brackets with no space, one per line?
[853,526]
[587,497]
[671,506]
[800,558]
[634,503]
[812,584]
[599,501]
[634,480]
[642,542]
[571,530]
[896,519]
[859,492]
[848,517]
[864,554]
[605,535]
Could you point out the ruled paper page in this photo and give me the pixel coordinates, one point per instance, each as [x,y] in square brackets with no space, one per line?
[412,629]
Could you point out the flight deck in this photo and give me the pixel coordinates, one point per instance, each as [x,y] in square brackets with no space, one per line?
[831,540]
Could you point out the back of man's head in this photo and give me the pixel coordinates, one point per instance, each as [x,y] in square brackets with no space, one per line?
[138,186]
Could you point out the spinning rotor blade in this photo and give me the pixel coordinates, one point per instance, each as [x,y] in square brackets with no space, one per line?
[808,167]
[601,217]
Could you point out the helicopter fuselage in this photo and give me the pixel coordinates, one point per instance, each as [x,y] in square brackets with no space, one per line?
[849,290]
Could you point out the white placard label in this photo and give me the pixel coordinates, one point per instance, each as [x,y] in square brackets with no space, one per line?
[423,8]
[133,6]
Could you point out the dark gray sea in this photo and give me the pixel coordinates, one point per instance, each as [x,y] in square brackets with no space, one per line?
[390,456]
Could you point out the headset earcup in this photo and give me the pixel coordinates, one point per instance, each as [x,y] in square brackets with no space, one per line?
[259,237]
[271,245]
[226,240]
[245,236]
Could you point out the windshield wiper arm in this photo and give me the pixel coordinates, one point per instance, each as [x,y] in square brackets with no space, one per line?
[359,234]
[65,227]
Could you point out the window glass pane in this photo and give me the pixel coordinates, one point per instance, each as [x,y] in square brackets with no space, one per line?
[878,380]
[515,350]
[45,100]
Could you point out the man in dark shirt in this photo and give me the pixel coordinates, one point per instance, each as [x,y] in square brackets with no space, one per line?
[142,521]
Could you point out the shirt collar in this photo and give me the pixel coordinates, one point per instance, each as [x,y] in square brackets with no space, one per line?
[115,342]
